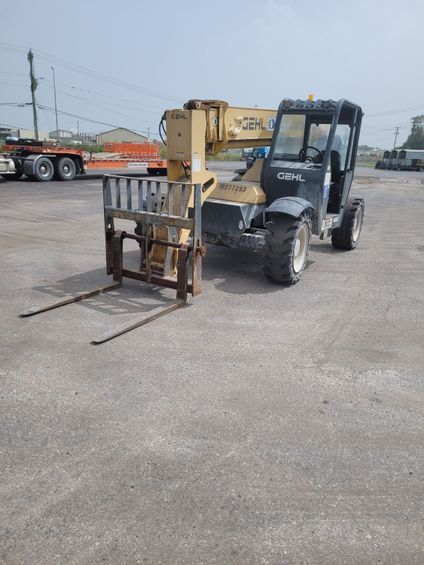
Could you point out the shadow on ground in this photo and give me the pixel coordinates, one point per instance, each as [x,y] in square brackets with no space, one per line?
[233,271]
[239,271]
[132,297]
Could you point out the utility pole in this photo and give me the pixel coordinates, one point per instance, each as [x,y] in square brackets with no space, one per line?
[34,84]
[55,103]
[394,145]
[396,135]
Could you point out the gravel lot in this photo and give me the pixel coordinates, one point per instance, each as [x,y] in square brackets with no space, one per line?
[259,424]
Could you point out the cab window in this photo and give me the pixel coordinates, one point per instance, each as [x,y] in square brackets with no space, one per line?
[290,137]
[318,136]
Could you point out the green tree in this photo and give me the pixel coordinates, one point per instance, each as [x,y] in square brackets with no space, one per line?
[416,137]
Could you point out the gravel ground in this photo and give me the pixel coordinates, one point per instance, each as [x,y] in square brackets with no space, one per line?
[259,424]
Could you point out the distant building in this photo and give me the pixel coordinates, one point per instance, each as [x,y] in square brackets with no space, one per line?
[120,135]
[8,132]
[29,134]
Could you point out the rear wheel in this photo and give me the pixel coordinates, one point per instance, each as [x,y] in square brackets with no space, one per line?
[43,169]
[347,235]
[286,247]
[65,169]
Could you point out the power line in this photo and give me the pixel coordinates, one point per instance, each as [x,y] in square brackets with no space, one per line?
[14,84]
[10,126]
[159,108]
[14,74]
[18,104]
[400,111]
[49,109]
[48,83]
[87,101]
[88,72]
[108,109]
[89,91]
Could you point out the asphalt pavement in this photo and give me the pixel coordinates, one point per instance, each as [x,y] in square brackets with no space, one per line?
[259,424]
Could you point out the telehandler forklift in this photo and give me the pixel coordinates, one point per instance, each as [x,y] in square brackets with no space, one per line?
[301,188]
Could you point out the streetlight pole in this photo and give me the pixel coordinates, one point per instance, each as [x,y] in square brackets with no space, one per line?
[55,104]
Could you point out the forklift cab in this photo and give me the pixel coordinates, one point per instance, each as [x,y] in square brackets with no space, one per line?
[312,159]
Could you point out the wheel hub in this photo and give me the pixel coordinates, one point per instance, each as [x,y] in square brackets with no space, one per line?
[357,224]
[300,248]
[296,247]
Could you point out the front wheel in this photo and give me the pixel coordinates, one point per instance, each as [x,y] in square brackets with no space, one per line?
[347,235]
[286,247]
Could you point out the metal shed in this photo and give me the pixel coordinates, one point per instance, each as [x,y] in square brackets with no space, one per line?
[120,135]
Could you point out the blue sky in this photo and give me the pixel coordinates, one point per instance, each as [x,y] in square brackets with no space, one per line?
[124,63]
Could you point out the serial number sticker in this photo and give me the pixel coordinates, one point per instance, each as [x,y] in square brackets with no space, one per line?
[232,187]
[196,163]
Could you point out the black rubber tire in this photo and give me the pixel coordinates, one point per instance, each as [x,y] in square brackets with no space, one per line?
[280,245]
[65,169]
[43,169]
[157,172]
[13,176]
[347,235]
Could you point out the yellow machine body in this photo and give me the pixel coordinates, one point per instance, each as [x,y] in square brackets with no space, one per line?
[205,127]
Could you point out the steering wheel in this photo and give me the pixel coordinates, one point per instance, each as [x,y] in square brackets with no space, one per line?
[303,157]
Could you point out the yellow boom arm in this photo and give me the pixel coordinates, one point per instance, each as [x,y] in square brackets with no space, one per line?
[205,127]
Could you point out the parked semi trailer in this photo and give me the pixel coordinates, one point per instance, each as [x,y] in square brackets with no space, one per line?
[41,162]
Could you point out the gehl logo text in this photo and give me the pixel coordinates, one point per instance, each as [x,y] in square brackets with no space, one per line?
[291,176]
[252,123]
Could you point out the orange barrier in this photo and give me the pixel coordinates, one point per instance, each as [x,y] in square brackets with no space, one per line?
[146,150]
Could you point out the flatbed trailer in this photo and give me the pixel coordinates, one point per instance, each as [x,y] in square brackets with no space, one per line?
[41,162]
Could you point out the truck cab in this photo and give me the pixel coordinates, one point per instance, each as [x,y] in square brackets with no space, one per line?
[312,158]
